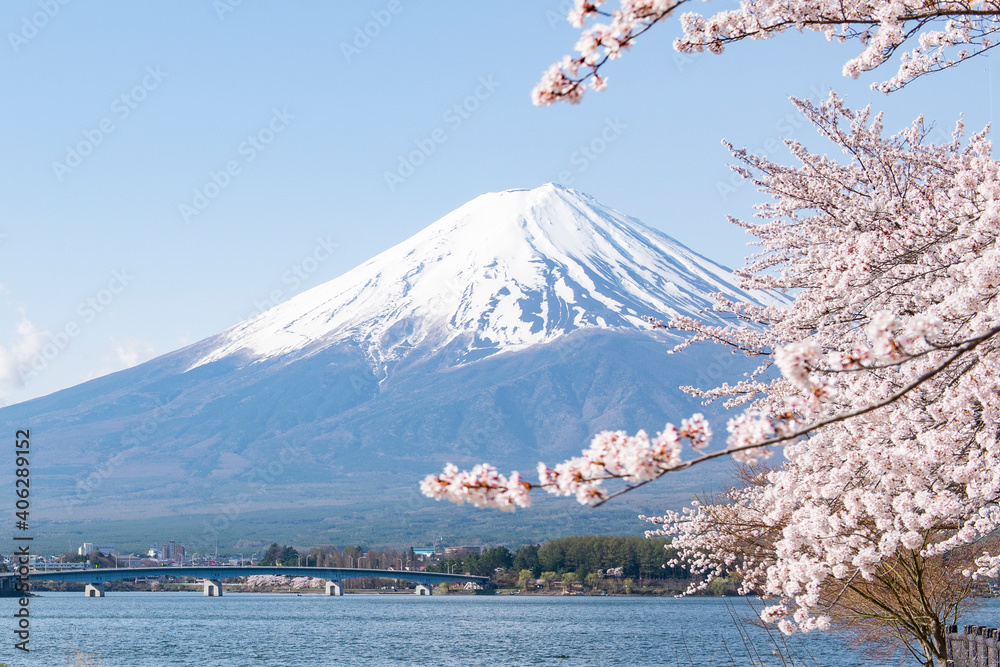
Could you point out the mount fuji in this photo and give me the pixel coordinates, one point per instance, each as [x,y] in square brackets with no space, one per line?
[504,272]
[508,331]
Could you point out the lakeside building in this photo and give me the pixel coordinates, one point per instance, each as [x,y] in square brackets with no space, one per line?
[88,548]
[128,561]
[41,566]
[172,551]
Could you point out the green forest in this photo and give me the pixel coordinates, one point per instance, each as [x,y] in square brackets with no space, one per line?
[637,557]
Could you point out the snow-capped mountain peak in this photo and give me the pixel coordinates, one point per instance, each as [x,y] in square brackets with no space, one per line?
[503,272]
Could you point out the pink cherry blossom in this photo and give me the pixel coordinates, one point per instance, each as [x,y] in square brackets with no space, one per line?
[887,405]
[942,34]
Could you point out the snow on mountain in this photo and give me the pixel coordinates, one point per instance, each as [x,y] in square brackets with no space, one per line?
[331,406]
[503,272]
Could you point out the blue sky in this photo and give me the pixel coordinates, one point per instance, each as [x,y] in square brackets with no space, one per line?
[171,168]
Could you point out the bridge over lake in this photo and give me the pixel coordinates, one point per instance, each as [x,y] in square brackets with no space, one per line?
[212,576]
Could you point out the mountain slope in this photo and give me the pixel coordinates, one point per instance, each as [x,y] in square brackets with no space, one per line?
[503,272]
[509,331]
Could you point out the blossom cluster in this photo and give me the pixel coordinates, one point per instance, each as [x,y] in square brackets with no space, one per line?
[894,260]
[888,402]
[278,580]
[944,33]
[483,486]
[988,566]
[600,42]
[612,455]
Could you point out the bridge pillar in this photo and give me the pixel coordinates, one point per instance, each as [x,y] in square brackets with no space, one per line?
[423,590]
[334,588]
[213,588]
[94,591]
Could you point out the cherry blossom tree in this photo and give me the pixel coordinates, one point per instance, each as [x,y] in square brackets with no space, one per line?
[886,406]
[888,354]
[888,397]
[906,600]
[943,33]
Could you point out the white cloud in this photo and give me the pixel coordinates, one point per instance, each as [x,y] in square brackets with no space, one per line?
[123,354]
[16,358]
[128,353]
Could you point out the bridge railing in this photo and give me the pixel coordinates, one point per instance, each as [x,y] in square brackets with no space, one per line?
[975,646]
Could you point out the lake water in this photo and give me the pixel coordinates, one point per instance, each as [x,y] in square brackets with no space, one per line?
[147,629]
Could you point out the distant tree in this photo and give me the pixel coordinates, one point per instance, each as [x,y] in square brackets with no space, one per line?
[353,554]
[271,556]
[526,558]
[590,553]
[569,579]
[498,558]
[279,555]
[524,579]
[548,578]
[552,555]
[723,586]
[98,559]
[488,562]
[449,565]
[471,565]
[289,556]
